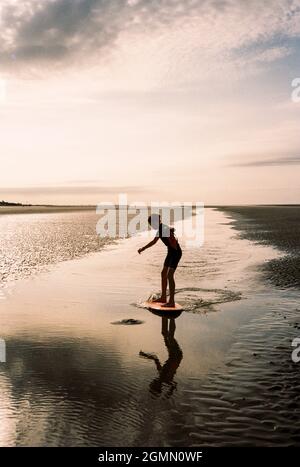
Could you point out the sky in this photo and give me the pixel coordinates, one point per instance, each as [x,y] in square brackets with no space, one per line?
[164,100]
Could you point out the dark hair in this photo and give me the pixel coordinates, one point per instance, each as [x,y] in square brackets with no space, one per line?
[154,217]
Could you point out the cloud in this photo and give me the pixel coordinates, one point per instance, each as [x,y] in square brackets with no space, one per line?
[278,161]
[55,29]
[58,32]
[272,54]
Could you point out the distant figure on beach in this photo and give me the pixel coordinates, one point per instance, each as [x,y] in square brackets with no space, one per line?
[167,371]
[166,234]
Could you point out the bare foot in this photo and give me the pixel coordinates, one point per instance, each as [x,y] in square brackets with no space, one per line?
[169,305]
[159,300]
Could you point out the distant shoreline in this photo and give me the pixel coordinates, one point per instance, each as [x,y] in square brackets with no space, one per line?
[44,209]
[40,209]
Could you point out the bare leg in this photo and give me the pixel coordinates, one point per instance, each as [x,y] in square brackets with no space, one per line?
[171,302]
[172,328]
[164,283]
[164,326]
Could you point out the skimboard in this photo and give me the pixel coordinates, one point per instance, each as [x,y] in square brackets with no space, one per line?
[158,306]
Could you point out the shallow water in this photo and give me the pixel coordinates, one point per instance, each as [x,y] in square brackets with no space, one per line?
[278,226]
[29,242]
[74,377]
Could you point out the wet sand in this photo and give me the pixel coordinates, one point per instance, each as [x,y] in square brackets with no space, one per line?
[273,225]
[87,366]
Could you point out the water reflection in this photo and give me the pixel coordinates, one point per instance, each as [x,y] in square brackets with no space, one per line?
[164,383]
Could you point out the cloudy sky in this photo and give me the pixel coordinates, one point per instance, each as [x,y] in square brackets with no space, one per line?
[160,99]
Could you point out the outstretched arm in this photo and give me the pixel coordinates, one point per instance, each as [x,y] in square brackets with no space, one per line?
[151,357]
[149,245]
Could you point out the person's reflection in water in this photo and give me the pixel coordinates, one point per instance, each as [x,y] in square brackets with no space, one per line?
[167,371]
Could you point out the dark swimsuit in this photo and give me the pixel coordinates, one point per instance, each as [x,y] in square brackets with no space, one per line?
[166,234]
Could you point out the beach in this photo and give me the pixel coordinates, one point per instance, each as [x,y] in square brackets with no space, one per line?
[87,365]
[273,225]
[42,209]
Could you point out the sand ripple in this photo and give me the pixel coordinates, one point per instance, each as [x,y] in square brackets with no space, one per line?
[255,400]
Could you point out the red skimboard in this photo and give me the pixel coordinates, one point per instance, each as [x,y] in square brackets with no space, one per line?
[158,306]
